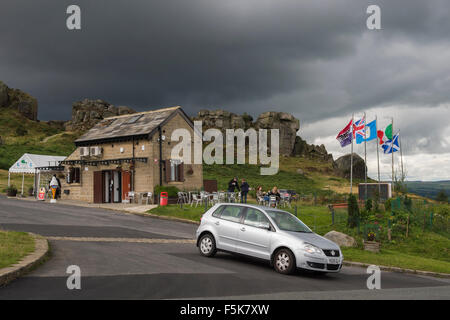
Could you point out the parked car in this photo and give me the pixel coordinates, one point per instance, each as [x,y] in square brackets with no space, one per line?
[266,233]
[287,193]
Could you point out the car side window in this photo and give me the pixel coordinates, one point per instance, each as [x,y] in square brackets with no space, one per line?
[232,213]
[255,218]
[218,211]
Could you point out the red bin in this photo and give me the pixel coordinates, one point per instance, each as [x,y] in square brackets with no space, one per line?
[163,198]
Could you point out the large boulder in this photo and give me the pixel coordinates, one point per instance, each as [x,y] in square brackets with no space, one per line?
[311,151]
[285,122]
[19,100]
[343,165]
[86,113]
[341,239]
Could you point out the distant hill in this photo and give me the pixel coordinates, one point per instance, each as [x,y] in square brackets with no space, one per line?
[19,135]
[428,189]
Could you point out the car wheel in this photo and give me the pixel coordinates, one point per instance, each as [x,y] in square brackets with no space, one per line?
[284,261]
[207,245]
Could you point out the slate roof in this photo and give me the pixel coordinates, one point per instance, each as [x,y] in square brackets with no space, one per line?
[129,125]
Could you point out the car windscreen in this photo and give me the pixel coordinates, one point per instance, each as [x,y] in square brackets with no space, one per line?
[287,222]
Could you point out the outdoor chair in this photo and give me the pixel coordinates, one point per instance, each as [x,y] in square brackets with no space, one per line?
[273,201]
[146,197]
[131,196]
[286,201]
[261,200]
[181,198]
[197,199]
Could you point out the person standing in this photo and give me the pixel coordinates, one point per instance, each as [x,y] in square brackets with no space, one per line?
[244,191]
[233,184]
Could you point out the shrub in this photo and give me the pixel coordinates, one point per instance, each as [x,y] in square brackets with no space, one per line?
[368,205]
[172,191]
[353,212]
[21,131]
[11,191]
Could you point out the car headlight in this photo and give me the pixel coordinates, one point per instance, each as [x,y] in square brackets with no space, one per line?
[312,249]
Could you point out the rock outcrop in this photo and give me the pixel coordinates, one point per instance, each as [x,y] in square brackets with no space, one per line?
[86,113]
[342,166]
[341,239]
[285,122]
[311,151]
[19,100]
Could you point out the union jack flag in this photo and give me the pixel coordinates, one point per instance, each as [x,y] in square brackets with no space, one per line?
[359,128]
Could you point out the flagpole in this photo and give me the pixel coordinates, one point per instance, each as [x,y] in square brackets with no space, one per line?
[378,157]
[365,157]
[392,153]
[351,159]
[401,153]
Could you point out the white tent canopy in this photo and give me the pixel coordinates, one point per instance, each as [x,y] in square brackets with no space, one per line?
[29,162]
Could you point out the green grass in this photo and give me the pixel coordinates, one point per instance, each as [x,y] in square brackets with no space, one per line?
[396,258]
[14,246]
[13,146]
[188,212]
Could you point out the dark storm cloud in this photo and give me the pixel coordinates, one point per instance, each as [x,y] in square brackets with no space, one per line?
[312,58]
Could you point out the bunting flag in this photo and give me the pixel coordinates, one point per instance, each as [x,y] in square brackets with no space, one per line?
[345,136]
[391,146]
[386,134]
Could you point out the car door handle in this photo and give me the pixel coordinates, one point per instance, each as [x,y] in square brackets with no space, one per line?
[217,223]
[242,229]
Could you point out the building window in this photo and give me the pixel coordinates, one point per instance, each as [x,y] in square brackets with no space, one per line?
[74,175]
[174,170]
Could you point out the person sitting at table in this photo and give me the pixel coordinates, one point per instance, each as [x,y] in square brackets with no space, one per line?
[274,192]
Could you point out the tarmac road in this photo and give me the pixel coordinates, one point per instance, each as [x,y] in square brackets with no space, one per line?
[139,263]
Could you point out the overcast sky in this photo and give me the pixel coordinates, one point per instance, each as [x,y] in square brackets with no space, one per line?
[314,59]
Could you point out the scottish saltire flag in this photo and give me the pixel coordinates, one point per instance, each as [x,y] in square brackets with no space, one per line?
[386,134]
[345,136]
[358,130]
[370,134]
[391,146]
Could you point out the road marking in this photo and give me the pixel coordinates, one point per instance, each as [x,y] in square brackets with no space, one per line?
[135,240]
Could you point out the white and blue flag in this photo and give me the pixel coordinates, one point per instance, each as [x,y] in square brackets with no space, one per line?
[391,146]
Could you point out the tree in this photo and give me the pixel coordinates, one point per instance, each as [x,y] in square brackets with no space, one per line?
[353,211]
[442,196]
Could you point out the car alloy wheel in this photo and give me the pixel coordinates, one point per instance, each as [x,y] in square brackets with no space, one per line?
[207,245]
[284,261]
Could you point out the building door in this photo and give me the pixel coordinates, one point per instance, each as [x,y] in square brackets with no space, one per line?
[116,186]
[98,187]
[107,186]
[126,184]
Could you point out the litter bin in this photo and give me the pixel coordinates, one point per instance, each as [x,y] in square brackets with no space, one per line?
[163,198]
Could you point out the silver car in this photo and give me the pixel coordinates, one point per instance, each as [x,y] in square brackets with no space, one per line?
[266,233]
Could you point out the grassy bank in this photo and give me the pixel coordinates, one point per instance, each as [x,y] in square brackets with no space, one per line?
[14,246]
[16,180]
[396,258]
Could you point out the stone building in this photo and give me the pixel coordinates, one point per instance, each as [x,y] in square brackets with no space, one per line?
[126,153]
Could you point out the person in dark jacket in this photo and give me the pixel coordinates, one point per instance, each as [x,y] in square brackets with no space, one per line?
[233,184]
[244,191]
